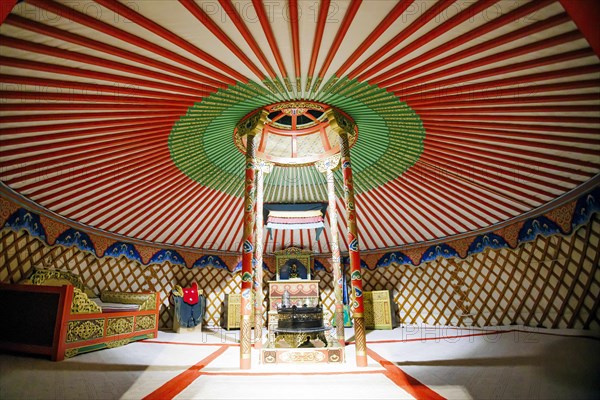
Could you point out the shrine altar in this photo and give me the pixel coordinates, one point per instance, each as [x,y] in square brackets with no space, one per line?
[301,292]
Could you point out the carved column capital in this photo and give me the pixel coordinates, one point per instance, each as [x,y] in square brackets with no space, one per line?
[253,124]
[330,163]
[263,166]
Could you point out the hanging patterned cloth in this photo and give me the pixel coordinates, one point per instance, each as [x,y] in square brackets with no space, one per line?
[293,216]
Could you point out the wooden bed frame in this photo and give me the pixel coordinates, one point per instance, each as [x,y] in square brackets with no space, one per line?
[60,321]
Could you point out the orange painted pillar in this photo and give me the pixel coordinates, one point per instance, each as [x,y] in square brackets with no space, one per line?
[263,167]
[247,256]
[353,240]
[248,127]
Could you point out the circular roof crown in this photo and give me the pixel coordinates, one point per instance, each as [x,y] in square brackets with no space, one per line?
[296,133]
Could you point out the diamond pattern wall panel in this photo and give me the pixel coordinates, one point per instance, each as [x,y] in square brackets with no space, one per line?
[551,282]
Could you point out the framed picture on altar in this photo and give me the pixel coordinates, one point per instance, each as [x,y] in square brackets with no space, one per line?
[293,264]
[293,269]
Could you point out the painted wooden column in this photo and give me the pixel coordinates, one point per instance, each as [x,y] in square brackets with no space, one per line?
[249,128]
[327,166]
[343,127]
[263,167]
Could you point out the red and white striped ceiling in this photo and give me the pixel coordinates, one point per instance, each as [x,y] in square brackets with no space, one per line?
[508,93]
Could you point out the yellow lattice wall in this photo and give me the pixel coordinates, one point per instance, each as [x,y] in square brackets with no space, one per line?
[551,282]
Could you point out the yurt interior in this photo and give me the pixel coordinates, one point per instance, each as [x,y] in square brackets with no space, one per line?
[299,199]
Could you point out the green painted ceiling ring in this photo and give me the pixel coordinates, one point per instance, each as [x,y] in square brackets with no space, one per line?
[390,140]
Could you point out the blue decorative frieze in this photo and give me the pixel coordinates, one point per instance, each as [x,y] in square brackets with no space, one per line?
[24,219]
[238,266]
[72,237]
[395,257]
[585,207]
[119,249]
[346,262]
[210,261]
[319,266]
[167,255]
[489,240]
[438,250]
[537,226]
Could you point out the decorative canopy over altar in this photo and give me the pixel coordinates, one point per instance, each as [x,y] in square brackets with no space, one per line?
[290,216]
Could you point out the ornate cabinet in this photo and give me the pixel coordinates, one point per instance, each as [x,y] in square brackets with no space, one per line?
[230,312]
[380,312]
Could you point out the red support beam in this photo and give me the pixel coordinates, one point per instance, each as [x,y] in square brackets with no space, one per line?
[130,38]
[180,200]
[263,18]
[105,63]
[95,75]
[167,187]
[6,7]
[339,37]
[418,23]
[421,83]
[496,102]
[463,186]
[81,190]
[508,110]
[498,185]
[586,15]
[203,18]
[462,152]
[42,96]
[210,213]
[496,167]
[94,173]
[446,137]
[115,91]
[78,127]
[401,72]
[31,164]
[131,15]
[541,119]
[495,126]
[293,7]
[89,106]
[393,76]
[389,19]
[162,183]
[513,93]
[78,144]
[47,30]
[466,200]
[323,11]
[108,115]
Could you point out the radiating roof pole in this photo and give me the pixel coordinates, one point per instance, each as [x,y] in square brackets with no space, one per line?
[249,127]
[262,168]
[343,126]
[327,166]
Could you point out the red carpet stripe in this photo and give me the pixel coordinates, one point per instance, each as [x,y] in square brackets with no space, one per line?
[415,388]
[176,385]
[226,373]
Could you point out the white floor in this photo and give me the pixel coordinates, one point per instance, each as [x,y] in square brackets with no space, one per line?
[408,362]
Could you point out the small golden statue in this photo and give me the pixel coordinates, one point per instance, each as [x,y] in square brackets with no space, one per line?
[294,271]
